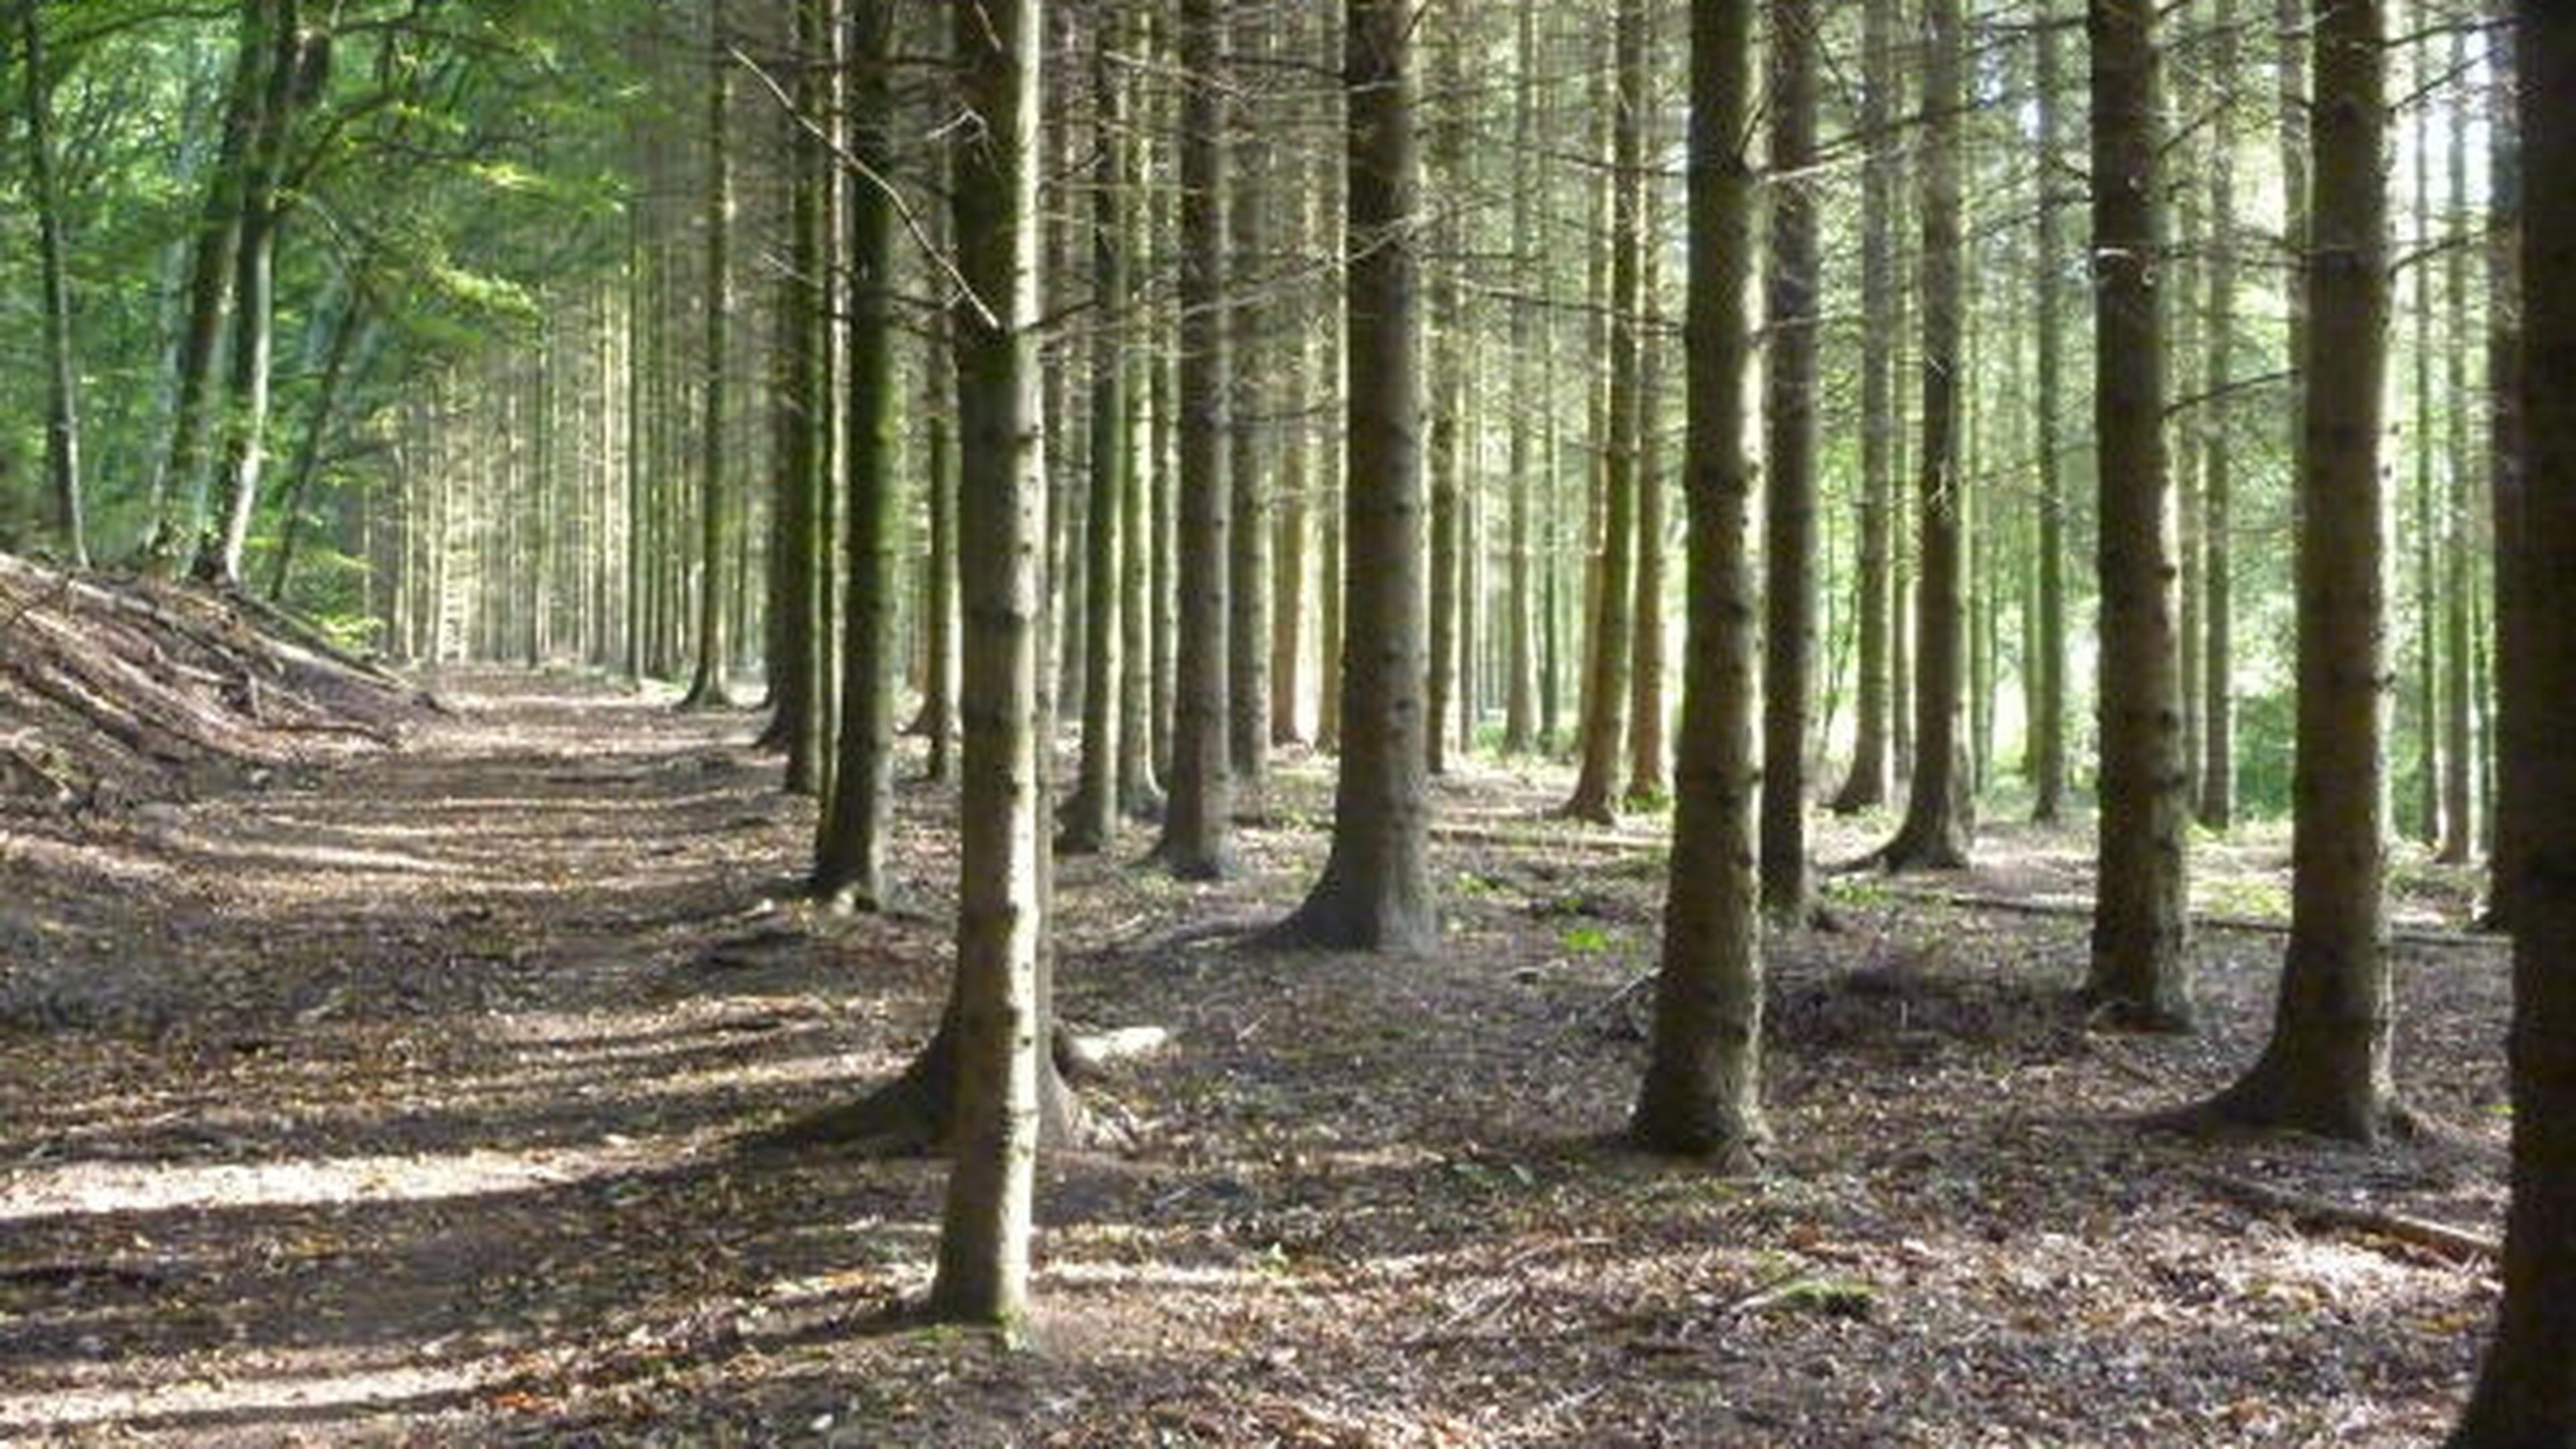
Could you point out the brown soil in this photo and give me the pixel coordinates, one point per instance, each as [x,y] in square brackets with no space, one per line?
[395,1102]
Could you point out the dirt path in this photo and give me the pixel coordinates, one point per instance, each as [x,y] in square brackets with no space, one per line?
[394,1105]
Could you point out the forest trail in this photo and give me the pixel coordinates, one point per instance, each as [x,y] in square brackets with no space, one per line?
[396,1102]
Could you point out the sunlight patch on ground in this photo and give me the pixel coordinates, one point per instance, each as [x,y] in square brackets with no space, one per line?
[218,1395]
[82,1188]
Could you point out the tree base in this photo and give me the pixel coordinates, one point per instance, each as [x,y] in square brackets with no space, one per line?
[2269,1098]
[910,1116]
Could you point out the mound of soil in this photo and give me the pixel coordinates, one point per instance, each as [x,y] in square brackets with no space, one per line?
[118,690]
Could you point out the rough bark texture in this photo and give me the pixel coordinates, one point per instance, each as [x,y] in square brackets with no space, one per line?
[1789,502]
[1935,832]
[983,1270]
[1248,438]
[2140,959]
[1867,784]
[1197,821]
[849,864]
[1375,891]
[2326,1067]
[1702,1089]
[2526,1393]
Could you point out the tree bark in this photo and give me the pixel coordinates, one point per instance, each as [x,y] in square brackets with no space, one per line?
[1248,440]
[2460,825]
[2526,1391]
[2217,804]
[1934,834]
[1198,815]
[1789,502]
[1091,816]
[1375,892]
[850,851]
[62,370]
[710,688]
[2140,955]
[1701,1094]
[1867,784]
[2048,666]
[985,1227]
[2326,1067]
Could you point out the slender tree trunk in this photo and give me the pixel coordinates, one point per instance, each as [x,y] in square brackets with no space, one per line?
[62,371]
[1867,784]
[2459,573]
[1248,440]
[2506,465]
[1702,1089]
[346,330]
[2526,1392]
[1448,400]
[709,688]
[1091,817]
[1605,687]
[1139,792]
[850,850]
[2048,666]
[2140,960]
[2326,1067]
[1789,428]
[799,589]
[1198,817]
[2217,803]
[1520,686]
[1935,831]
[985,1228]
[1647,776]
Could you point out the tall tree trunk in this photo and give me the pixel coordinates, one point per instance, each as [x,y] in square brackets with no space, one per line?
[1091,816]
[346,329]
[2048,666]
[62,371]
[850,850]
[983,1270]
[1605,685]
[1248,440]
[1789,429]
[2425,527]
[2526,1392]
[2140,961]
[1702,1089]
[1935,831]
[709,688]
[2217,804]
[1198,817]
[2326,1067]
[1520,675]
[1647,776]
[2459,571]
[2506,464]
[1375,891]
[1867,784]
[254,303]
[1140,793]
[799,589]
[1448,391]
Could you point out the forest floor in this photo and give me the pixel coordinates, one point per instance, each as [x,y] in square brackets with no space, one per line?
[397,1100]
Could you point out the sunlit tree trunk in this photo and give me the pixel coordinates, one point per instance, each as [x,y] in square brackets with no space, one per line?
[1702,1089]
[1375,891]
[1091,816]
[1789,430]
[710,686]
[2326,1067]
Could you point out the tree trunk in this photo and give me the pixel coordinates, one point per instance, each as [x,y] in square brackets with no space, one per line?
[1091,816]
[1935,832]
[1247,596]
[1789,500]
[1375,891]
[1140,794]
[2048,666]
[2140,957]
[850,851]
[2505,382]
[799,589]
[2217,804]
[984,1237]
[1605,686]
[2326,1067]
[1520,671]
[1702,1089]
[1867,784]
[2526,1392]
[1198,816]
[62,371]
[1647,776]
[345,332]
[1448,392]
[2459,573]
[709,688]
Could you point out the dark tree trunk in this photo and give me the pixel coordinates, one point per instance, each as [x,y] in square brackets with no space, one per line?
[1789,501]
[1520,688]
[2326,1067]
[1248,440]
[2140,960]
[1935,832]
[1702,1089]
[2526,1392]
[1867,784]
[1091,816]
[2048,666]
[62,371]
[710,688]
[1375,891]
[1197,820]
[850,852]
